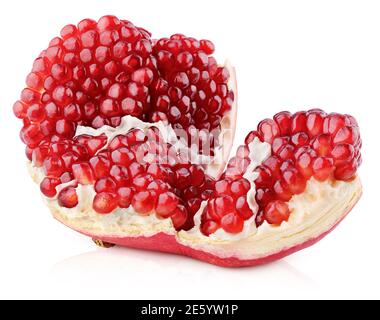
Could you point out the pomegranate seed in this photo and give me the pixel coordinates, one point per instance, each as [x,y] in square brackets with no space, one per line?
[276,212]
[35,113]
[209,227]
[143,76]
[315,122]
[100,166]
[304,164]
[105,202]
[242,152]
[194,205]
[68,197]
[346,171]
[65,128]
[342,153]
[122,156]
[322,145]
[179,217]
[53,166]
[120,175]
[135,169]
[295,181]
[197,175]
[240,187]
[207,46]
[273,164]
[278,143]
[222,187]
[286,152]
[166,204]
[223,205]
[264,196]
[125,197]
[135,136]
[29,96]
[31,135]
[143,202]
[281,190]
[142,181]
[66,177]
[347,134]
[189,193]
[243,208]
[264,178]
[95,144]
[298,123]
[322,168]
[300,139]
[183,177]
[268,130]
[39,155]
[20,109]
[333,122]
[48,186]
[105,185]
[351,120]
[284,122]
[232,223]
[158,186]
[251,136]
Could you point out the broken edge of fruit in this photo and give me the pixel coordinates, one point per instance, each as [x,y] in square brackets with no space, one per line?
[228,128]
[246,252]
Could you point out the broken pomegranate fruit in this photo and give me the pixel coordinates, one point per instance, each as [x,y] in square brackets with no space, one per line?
[128,138]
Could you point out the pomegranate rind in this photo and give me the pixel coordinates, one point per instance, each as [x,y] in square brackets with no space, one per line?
[169,242]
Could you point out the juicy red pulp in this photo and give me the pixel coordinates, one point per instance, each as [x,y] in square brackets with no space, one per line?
[192,92]
[95,73]
[304,145]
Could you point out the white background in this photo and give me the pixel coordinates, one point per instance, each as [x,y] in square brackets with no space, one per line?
[288,55]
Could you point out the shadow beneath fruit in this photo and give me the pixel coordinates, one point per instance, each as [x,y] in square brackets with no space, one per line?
[117,266]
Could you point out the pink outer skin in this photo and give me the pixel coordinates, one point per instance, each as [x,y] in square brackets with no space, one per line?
[167,243]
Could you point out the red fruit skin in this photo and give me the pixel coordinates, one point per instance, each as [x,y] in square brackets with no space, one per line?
[167,243]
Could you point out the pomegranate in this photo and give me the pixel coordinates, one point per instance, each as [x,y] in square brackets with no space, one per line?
[128,138]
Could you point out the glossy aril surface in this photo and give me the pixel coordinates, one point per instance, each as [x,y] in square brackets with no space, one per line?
[304,145]
[95,73]
[192,92]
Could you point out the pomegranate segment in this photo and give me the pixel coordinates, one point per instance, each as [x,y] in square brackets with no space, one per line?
[304,145]
[123,132]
